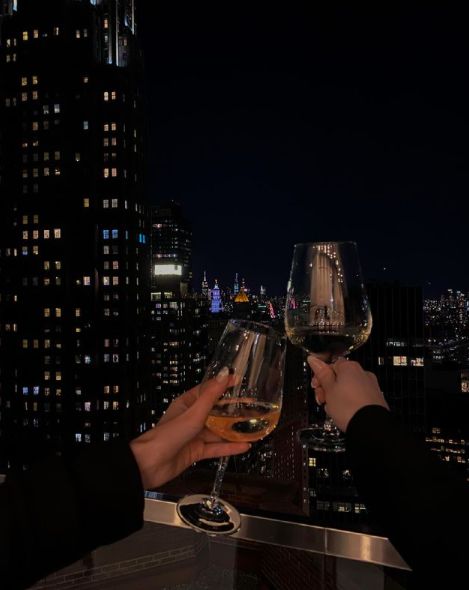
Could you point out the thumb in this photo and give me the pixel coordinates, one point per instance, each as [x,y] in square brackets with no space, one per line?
[323,372]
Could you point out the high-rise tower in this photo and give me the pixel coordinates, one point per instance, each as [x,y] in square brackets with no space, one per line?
[74,239]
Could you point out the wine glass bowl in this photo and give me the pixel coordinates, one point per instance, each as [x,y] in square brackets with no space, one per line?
[327,313]
[248,411]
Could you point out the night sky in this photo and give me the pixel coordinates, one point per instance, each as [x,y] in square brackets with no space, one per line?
[273,127]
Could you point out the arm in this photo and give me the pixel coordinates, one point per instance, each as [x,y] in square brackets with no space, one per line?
[53,514]
[58,511]
[423,508]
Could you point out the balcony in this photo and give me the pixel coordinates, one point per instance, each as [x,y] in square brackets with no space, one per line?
[284,552]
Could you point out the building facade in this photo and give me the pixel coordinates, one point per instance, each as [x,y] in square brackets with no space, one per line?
[74,249]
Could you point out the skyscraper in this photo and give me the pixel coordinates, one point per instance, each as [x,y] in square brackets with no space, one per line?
[179,317]
[74,248]
[216,304]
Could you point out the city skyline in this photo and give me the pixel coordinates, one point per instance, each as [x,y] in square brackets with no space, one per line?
[302,126]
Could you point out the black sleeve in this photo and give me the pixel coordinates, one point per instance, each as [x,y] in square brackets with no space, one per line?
[423,507]
[53,514]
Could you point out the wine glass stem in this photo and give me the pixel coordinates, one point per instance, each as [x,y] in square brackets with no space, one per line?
[215,493]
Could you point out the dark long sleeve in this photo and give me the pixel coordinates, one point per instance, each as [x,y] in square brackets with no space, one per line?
[53,514]
[423,507]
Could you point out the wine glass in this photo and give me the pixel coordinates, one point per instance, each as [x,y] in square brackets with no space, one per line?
[248,411]
[327,314]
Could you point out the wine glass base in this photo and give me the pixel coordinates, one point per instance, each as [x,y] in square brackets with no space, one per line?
[324,441]
[221,519]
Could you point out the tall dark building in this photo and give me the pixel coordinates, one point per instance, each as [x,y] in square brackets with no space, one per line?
[74,235]
[179,317]
[171,243]
[395,351]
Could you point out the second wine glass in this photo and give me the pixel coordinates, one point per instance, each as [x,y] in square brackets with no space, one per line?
[327,314]
[248,411]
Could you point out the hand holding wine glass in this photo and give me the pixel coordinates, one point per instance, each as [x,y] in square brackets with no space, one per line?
[327,313]
[253,354]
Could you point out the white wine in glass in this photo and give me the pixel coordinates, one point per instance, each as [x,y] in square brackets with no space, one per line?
[248,411]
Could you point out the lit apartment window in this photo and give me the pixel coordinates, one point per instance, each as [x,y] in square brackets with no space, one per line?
[35,126]
[46,171]
[35,250]
[105,203]
[106,126]
[45,109]
[25,36]
[399,361]
[57,109]
[417,362]
[35,234]
[78,34]
[115,234]
[106,96]
[106,142]
[46,265]
[47,312]
[35,80]
[114,172]
[35,95]
[57,234]
[86,125]
[106,23]
[106,281]
[24,81]
[106,172]
[58,312]
[24,96]
[36,34]
[113,126]
[114,141]
[85,79]
[115,203]
[85,33]
[115,280]
[113,95]
[77,157]
[87,281]
[86,203]
[57,155]
[106,250]
[56,31]
[46,156]
[58,264]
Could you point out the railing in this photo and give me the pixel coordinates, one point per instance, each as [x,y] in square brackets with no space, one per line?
[267,553]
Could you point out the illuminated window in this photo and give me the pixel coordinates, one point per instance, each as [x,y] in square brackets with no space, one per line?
[115,203]
[24,81]
[24,96]
[106,281]
[417,362]
[106,172]
[105,249]
[106,142]
[86,202]
[85,33]
[113,126]
[36,34]
[399,361]
[35,126]
[86,125]
[35,80]
[115,234]
[77,156]
[47,312]
[106,126]
[57,155]
[87,281]
[115,280]
[85,79]
[35,234]
[106,96]
[113,95]
[114,141]
[58,312]
[106,23]
[46,171]
[35,95]
[46,265]
[56,31]
[78,34]
[25,36]
[114,172]
[35,250]
[105,203]
[57,233]
[46,156]
[115,265]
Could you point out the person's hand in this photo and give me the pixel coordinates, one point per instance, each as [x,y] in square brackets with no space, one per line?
[180,437]
[344,387]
